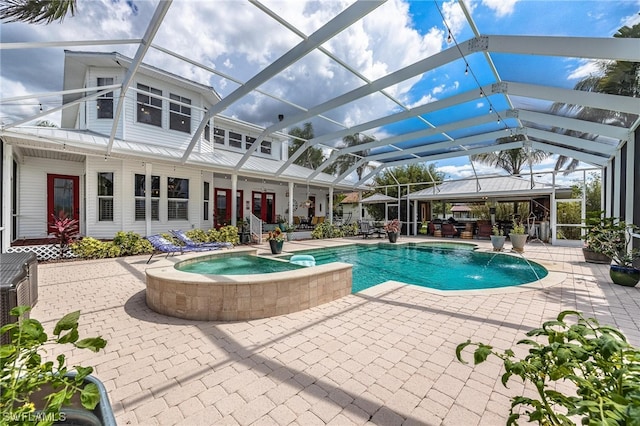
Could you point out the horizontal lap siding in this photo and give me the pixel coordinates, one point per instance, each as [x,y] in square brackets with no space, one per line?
[32,192]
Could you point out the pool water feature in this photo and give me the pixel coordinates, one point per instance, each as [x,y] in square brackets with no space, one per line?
[438,266]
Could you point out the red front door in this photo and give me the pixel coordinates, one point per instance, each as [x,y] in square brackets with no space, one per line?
[63,194]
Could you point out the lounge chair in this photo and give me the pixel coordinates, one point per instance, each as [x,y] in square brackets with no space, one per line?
[182,236]
[160,243]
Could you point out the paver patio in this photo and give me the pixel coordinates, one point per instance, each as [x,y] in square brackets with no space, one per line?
[384,356]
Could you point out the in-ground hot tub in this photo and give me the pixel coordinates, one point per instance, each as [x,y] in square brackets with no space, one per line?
[194,296]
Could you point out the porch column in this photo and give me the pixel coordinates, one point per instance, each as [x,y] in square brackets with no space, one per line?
[415,217]
[330,208]
[234,199]
[617,166]
[360,206]
[7,222]
[148,169]
[290,218]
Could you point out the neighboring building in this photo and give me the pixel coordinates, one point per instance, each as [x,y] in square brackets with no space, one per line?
[139,180]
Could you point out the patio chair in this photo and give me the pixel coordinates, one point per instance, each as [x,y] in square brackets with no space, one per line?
[484,230]
[365,229]
[448,230]
[182,236]
[163,245]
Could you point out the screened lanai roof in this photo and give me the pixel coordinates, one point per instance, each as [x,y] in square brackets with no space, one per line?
[426,80]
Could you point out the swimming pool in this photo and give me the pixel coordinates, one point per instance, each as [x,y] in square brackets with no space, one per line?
[442,267]
[454,266]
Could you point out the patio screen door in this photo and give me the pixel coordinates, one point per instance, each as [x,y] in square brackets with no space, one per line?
[63,194]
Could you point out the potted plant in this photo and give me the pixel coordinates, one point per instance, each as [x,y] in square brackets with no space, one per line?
[35,391]
[614,240]
[276,240]
[424,227]
[393,229]
[517,236]
[497,238]
[288,229]
[595,365]
[595,226]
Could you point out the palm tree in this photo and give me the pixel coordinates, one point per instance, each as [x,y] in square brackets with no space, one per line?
[344,162]
[511,160]
[312,157]
[36,11]
[616,78]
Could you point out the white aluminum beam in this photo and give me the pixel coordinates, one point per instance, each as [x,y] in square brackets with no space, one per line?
[570,141]
[614,132]
[40,44]
[576,97]
[617,49]
[582,156]
[143,47]
[342,21]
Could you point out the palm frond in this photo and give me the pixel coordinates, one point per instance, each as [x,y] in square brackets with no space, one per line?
[36,11]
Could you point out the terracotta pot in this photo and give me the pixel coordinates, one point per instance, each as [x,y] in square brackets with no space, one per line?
[624,275]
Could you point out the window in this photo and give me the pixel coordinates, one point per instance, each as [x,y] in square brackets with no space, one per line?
[265,148]
[149,107]
[235,140]
[140,201]
[207,132]
[105,196]
[105,102]
[218,135]
[205,203]
[180,114]
[248,141]
[178,198]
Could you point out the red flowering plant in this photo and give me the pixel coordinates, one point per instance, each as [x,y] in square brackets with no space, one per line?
[64,229]
[275,235]
[392,226]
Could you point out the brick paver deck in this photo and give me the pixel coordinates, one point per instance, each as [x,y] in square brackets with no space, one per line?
[384,356]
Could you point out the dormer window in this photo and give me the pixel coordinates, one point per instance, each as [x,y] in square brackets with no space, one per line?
[265,147]
[149,107]
[104,103]
[180,113]
[235,140]
[218,135]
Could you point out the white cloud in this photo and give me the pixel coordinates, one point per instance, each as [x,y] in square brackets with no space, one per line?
[501,7]
[454,16]
[585,69]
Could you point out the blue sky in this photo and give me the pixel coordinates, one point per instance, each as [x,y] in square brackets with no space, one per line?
[237,39]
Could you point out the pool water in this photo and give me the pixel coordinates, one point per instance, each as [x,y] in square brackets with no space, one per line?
[238,265]
[443,267]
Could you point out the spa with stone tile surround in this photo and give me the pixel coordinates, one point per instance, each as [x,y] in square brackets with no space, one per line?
[242,297]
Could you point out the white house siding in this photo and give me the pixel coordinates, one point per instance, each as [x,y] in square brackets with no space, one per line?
[89,109]
[32,195]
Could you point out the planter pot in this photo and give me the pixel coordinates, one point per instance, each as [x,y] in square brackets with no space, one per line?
[75,413]
[393,236]
[289,236]
[276,246]
[518,241]
[595,257]
[498,242]
[624,275]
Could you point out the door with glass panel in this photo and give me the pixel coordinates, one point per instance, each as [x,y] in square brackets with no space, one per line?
[63,195]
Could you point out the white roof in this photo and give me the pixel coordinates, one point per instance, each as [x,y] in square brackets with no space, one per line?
[220,160]
[484,187]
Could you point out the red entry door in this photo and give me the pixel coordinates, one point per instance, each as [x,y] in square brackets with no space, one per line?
[63,194]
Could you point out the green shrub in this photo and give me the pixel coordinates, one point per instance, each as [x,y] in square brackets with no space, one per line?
[327,230]
[90,248]
[198,235]
[130,243]
[350,230]
[604,368]
[228,234]
[213,235]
